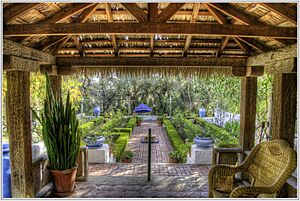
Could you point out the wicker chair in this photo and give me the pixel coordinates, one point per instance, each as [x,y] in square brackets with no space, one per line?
[268,166]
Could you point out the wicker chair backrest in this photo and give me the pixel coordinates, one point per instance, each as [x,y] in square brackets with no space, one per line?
[271,163]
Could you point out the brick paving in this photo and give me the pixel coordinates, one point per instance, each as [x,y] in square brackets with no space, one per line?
[140,169]
[160,151]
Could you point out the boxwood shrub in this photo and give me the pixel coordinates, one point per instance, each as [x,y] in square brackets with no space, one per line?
[176,140]
[131,123]
[220,135]
[120,146]
[123,130]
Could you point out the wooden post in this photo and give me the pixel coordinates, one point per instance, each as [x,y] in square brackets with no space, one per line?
[149,154]
[248,112]
[19,129]
[284,102]
[55,84]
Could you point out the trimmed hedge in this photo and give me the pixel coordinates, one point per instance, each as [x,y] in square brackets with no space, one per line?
[120,146]
[124,130]
[86,127]
[220,135]
[131,123]
[176,140]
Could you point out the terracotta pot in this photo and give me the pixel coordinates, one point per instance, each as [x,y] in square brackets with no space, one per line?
[64,181]
[174,160]
[124,160]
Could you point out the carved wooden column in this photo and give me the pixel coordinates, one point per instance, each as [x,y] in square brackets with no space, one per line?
[248,112]
[284,105]
[19,129]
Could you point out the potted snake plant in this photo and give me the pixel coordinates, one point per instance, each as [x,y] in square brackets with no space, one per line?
[62,140]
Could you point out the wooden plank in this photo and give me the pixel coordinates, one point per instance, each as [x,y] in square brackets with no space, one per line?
[16,10]
[15,49]
[87,13]
[242,45]
[188,40]
[248,112]
[19,63]
[136,11]
[281,66]
[283,10]
[169,11]
[151,28]
[241,16]
[274,55]
[113,37]
[172,62]
[19,130]
[284,107]
[59,45]
[125,12]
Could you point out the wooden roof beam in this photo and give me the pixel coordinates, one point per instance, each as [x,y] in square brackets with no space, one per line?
[169,11]
[255,44]
[136,11]
[188,40]
[15,49]
[283,10]
[222,46]
[151,61]
[242,45]
[16,10]
[251,31]
[113,37]
[241,16]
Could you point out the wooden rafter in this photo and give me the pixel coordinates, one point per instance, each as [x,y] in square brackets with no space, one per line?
[255,44]
[252,31]
[152,17]
[62,15]
[136,11]
[283,10]
[16,10]
[188,40]
[222,20]
[169,11]
[150,61]
[83,17]
[241,16]
[222,46]
[110,19]
[242,45]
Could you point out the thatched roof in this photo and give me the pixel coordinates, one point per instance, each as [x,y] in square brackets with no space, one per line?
[147,45]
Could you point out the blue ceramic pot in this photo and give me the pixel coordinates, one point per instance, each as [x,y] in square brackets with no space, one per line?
[96,144]
[6,171]
[202,112]
[203,142]
[97,111]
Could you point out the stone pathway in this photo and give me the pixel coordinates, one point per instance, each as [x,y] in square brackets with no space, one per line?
[160,151]
[139,187]
[157,169]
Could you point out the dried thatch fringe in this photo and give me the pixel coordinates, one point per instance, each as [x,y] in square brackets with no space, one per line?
[149,71]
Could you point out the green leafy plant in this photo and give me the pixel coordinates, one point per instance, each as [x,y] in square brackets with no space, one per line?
[159,118]
[127,155]
[139,119]
[59,130]
[175,155]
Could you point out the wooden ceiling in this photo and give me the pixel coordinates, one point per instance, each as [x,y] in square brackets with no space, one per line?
[152,29]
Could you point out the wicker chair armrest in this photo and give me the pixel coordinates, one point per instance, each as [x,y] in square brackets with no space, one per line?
[251,191]
[217,172]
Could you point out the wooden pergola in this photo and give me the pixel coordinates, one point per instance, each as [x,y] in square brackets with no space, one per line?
[242,39]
